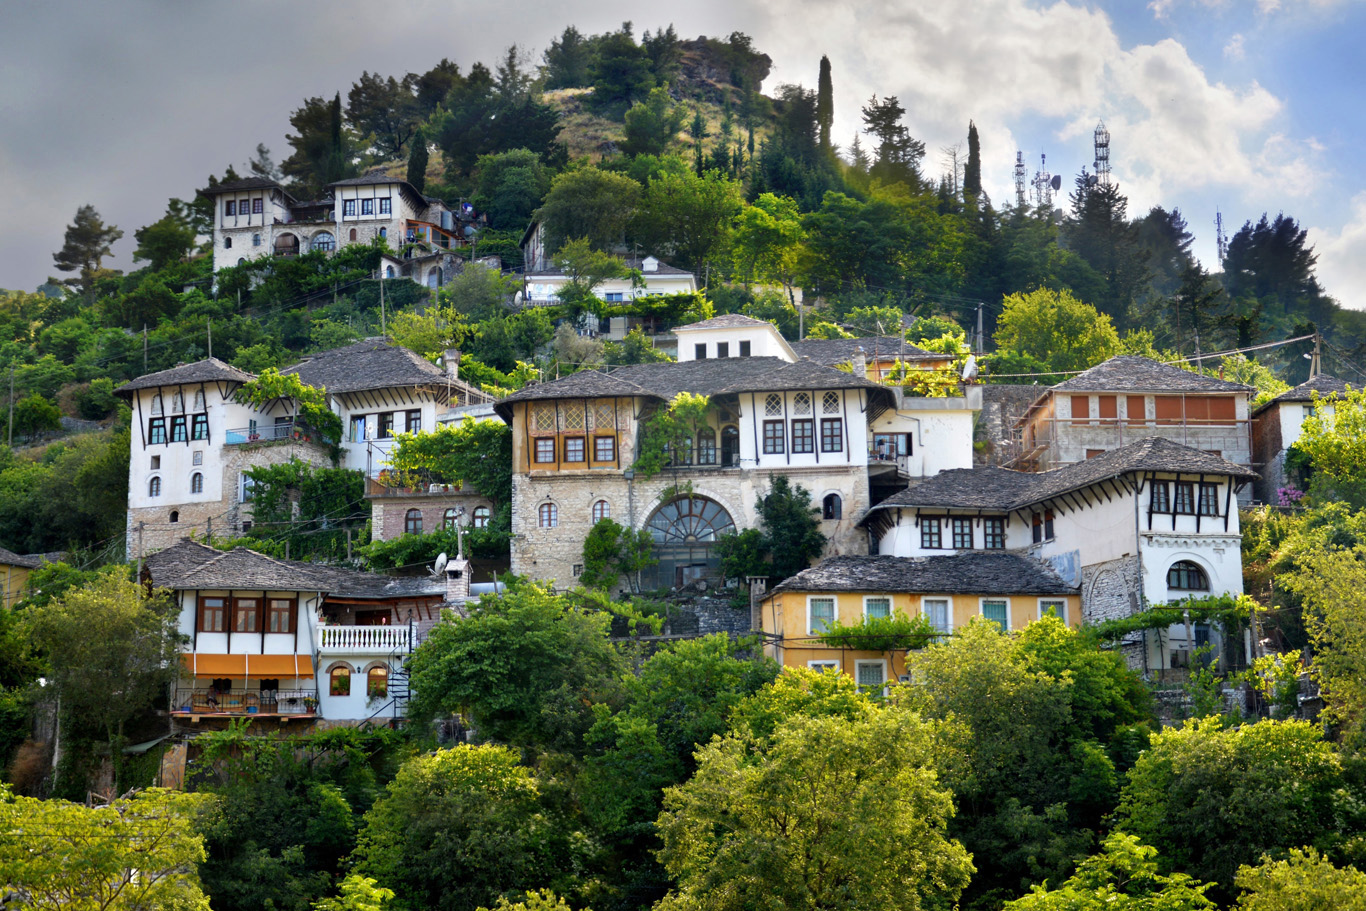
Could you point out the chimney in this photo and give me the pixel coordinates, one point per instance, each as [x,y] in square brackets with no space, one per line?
[458,583]
[860,363]
[649,264]
[451,360]
[758,585]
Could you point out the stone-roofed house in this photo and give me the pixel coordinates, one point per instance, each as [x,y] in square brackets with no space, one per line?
[194,440]
[1009,589]
[880,354]
[1131,398]
[543,280]
[286,641]
[15,570]
[1149,523]
[257,217]
[1277,425]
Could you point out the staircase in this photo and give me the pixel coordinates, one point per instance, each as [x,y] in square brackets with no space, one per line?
[400,683]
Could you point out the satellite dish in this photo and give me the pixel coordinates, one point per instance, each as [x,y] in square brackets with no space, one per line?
[1056,183]
[970,368]
[441,562]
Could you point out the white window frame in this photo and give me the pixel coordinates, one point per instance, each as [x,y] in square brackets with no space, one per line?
[867,598]
[1062,614]
[824,664]
[866,662]
[834,611]
[982,609]
[948,614]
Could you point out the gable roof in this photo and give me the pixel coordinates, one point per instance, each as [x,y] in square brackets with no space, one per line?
[246,183]
[832,351]
[1326,387]
[631,262]
[728,321]
[209,370]
[29,561]
[379,178]
[1132,373]
[1005,489]
[189,565]
[713,376]
[375,363]
[968,573]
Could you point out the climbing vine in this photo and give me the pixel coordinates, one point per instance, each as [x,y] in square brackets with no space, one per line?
[313,409]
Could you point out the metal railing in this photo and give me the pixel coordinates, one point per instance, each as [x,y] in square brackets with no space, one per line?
[210,701]
[263,433]
[333,640]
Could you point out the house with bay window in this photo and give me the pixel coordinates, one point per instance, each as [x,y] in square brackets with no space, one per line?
[1148,523]
[948,590]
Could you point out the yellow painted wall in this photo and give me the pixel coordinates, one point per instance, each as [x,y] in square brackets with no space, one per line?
[786,614]
[15,580]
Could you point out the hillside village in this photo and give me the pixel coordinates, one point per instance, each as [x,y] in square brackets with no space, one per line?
[464,516]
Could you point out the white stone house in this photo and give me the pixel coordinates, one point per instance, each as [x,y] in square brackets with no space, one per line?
[1148,523]
[1277,425]
[657,278]
[290,643]
[575,442]
[257,217]
[194,439]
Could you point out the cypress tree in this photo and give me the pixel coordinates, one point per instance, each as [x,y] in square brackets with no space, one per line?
[972,173]
[417,161]
[825,104]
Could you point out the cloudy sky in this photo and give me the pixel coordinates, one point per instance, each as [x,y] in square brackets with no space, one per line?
[1237,106]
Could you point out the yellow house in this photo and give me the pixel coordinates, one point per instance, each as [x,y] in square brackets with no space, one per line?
[1011,590]
[14,571]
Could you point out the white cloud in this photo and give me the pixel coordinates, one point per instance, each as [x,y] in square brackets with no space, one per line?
[1342,256]
[1010,65]
[1234,49]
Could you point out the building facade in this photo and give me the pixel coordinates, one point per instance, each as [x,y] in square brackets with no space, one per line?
[1277,425]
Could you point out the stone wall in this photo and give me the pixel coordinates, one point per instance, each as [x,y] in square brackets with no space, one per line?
[1003,405]
[389,514]
[1269,452]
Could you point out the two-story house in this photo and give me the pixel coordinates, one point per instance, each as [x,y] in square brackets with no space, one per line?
[576,440]
[257,217]
[1148,523]
[1277,425]
[656,278]
[1131,398]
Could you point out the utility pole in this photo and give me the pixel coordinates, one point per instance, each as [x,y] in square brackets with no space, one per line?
[140,527]
[980,339]
[9,440]
[209,323]
[144,347]
[1314,362]
[382,329]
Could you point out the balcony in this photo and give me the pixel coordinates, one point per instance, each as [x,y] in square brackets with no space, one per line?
[269,433]
[388,482]
[363,640]
[209,701]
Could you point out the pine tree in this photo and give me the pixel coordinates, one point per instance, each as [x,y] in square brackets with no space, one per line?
[88,241]
[825,104]
[972,174]
[417,161]
[698,131]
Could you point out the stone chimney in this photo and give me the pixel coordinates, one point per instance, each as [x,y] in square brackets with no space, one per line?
[451,361]
[860,363]
[458,583]
[758,586]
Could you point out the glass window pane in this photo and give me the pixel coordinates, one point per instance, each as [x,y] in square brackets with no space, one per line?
[878,607]
[822,614]
[997,612]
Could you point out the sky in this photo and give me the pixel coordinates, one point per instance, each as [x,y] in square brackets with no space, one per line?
[1239,107]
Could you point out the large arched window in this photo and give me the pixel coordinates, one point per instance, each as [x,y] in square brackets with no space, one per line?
[197,483]
[832,507]
[448,519]
[481,517]
[1186,576]
[549,515]
[377,682]
[154,487]
[324,241]
[339,681]
[412,522]
[601,510]
[690,520]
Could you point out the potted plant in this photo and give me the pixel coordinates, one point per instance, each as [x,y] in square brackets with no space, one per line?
[310,704]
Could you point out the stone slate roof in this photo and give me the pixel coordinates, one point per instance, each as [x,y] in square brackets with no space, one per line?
[375,363]
[832,351]
[1326,386]
[246,183]
[713,376]
[189,565]
[969,573]
[631,262]
[30,561]
[1004,489]
[727,321]
[1132,373]
[206,371]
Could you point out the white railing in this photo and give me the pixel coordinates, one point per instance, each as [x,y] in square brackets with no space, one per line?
[367,639]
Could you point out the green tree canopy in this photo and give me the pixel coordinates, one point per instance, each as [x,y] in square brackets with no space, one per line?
[591,203]
[1123,877]
[477,453]
[1056,329]
[652,125]
[87,242]
[789,535]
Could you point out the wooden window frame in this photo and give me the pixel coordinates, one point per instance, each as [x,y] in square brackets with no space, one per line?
[253,613]
[931,529]
[482,516]
[993,528]
[203,612]
[604,449]
[338,672]
[1183,499]
[277,608]
[570,455]
[774,437]
[156,431]
[955,524]
[832,434]
[811,612]
[803,436]
[180,431]
[199,427]
[412,522]
[548,516]
[542,446]
[1207,504]
[1159,497]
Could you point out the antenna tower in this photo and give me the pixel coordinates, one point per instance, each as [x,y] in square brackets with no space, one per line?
[1220,238]
[1043,184]
[1102,163]
[1021,180]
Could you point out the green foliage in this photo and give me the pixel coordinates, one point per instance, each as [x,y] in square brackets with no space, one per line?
[1277,678]
[96,401]
[783,822]
[767,241]
[538,900]
[358,893]
[635,348]
[670,431]
[621,70]
[406,551]
[687,218]
[1303,881]
[585,268]
[477,453]
[1332,585]
[510,186]
[164,242]
[1230,611]
[788,536]
[87,242]
[1057,330]
[611,551]
[271,385]
[524,665]
[35,414]
[589,203]
[652,125]
[136,854]
[460,828]
[1212,800]
[881,634]
[1123,877]
[309,507]
[1333,440]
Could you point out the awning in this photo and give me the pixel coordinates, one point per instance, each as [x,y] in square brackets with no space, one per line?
[241,666]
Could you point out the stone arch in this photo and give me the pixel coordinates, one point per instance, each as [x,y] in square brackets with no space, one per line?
[287,244]
[685,531]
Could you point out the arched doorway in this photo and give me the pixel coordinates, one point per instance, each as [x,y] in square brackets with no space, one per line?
[685,531]
[287,245]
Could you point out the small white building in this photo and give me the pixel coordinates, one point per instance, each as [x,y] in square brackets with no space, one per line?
[656,278]
[1277,425]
